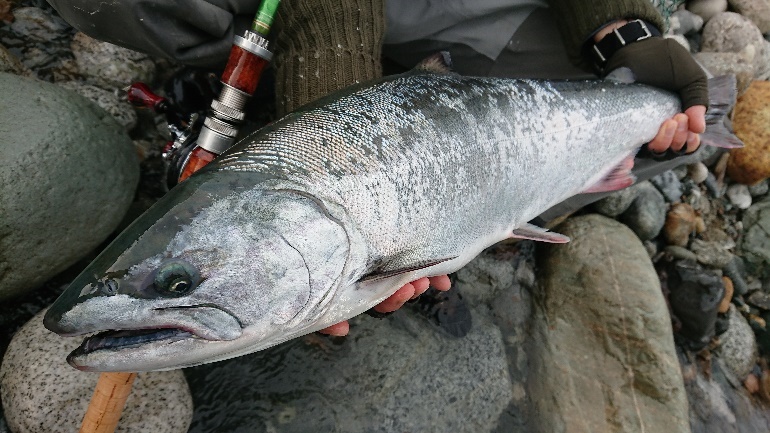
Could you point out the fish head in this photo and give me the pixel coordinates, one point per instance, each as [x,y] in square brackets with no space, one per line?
[216,269]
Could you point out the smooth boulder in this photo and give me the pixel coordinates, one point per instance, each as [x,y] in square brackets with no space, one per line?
[68,173]
[603,354]
[42,393]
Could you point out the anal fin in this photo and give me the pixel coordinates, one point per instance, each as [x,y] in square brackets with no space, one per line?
[620,177]
[535,233]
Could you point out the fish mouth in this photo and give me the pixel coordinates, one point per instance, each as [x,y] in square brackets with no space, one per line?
[126,338]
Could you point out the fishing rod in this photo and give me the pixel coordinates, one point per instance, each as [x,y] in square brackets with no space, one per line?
[197,143]
[193,147]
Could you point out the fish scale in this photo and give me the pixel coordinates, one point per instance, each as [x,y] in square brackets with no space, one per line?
[485,152]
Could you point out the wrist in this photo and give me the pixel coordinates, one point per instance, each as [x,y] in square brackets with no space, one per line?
[607,29]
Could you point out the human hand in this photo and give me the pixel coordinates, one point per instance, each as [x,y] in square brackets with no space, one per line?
[396,300]
[665,64]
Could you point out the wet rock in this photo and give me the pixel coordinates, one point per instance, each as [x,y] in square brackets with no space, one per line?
[591,290]
[755,242]
[729,32]
[684,22]
[718,406]
[739,64]
[37,24]
[669,185]
[680,253]
[724,306]
[760,300]
[9,63]
[694,295]
[42,393]
[706,9]
[67,175]
[736,271]
[739,195]
[758,11]
[713,187]
[739,348]
[647,213]
[118,107]
[758,189]
[711,253]
[680,223]
[617,202]
[751,122]
[697,172]
[109,65]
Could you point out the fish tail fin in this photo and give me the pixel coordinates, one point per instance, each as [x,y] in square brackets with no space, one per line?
[722,98]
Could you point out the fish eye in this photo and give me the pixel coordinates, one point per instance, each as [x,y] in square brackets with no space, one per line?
[175,278]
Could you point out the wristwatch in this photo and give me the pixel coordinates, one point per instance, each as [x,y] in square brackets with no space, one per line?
[631,32]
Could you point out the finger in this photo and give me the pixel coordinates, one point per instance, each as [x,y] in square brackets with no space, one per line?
[337,330]
[697,118]
[693,141]
[396,300]
[441,282]
[662,140]
[681,133]
[420,286]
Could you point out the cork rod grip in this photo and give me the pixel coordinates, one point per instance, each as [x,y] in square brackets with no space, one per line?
[107,403]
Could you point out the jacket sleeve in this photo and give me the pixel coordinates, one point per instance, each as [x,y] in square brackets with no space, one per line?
[579,20]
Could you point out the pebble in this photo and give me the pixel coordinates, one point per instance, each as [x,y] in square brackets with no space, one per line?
[680,224]
[680,253]
[751,383]
[760,300]
[739,347]
[694,295]
[739,195]
[680,171]
[736,270]
[732,33]
[751,122]
[706,9]
[110,66]
[669,185]
[712,186]
[35,360]
[758,189]
[37,24]
[711,253]
[684,22]
[647,213]
[617,202]
[119,108]
[10,63]
[724,306]
[755,242]
[697,172]
[758,11]
[739,64]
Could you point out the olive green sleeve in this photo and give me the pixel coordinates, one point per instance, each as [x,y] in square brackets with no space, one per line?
[579,20]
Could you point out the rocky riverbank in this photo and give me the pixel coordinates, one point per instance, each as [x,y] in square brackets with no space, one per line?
[655,317]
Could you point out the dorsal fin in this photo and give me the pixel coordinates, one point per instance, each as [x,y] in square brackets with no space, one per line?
[439,63]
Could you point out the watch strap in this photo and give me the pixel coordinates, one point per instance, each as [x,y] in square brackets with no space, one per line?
[630,32]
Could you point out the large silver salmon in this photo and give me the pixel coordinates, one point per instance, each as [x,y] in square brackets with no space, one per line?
[325,213]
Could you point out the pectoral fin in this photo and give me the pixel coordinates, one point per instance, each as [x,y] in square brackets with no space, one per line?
[384,272]
[620,177]
[535,233]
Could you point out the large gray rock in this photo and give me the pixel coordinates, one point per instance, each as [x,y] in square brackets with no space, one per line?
[739,346]
[647,213]
[67,176]
[758,11]
[739,64]
[118,107]
[41,393]
[109,65]
[603,355]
